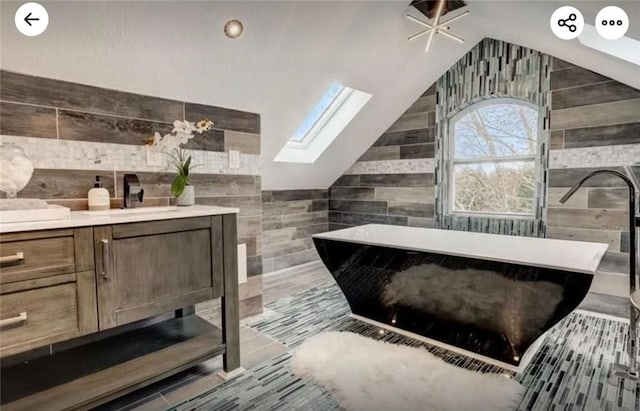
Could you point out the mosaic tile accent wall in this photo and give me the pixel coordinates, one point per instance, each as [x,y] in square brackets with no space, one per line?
[290,218]
[594,122]
[73,132]
[420,165]
[492,69]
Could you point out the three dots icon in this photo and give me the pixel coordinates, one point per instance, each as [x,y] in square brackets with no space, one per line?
[612,22]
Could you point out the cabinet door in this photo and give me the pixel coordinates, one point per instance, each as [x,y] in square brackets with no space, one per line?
[144,275]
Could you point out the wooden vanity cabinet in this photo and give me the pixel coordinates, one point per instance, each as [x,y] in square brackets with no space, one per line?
[145,269]
[60,284]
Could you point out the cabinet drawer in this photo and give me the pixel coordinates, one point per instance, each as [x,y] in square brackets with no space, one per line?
[29,319]
[42,257]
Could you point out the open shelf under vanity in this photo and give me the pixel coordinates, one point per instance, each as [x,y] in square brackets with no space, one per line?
[94,373]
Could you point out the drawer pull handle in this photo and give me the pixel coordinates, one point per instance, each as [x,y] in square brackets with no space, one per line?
[16,258]
[20,319]
[105,259]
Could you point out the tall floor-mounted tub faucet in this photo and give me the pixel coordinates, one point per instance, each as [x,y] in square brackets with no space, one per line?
[631,371]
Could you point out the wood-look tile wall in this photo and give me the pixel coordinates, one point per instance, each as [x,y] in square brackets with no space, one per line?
[290,218]
[53,109]
[590,111]
[398,198]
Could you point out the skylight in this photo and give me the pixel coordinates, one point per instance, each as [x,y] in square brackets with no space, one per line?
[624,48]
[318,110]
[326,120]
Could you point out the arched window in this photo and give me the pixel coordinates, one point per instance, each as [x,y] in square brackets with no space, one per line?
[493,152]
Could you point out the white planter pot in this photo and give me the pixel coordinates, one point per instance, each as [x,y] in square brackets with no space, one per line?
[188,196]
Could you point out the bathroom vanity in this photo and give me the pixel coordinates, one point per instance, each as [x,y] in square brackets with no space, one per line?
[86,301]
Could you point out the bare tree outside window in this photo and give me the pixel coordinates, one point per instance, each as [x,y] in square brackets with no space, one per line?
[493,153]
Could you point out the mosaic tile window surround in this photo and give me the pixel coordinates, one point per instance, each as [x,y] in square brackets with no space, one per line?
[492,69]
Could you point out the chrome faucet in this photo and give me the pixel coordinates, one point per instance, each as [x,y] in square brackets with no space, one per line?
[133,193]
[630,372]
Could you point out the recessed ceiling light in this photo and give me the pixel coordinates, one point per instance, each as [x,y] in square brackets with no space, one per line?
[233,28]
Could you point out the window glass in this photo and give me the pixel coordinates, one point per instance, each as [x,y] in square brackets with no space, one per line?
[496,130]
[316,113]
[504,187]
[493,158]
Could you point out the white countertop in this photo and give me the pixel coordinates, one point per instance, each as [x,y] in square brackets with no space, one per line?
[575,256]
[88,218]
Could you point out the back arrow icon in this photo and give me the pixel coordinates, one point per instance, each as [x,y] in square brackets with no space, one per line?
[29,19]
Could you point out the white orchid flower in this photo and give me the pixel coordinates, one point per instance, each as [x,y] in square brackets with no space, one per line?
[204,125]
[189,127]
[182,132]
[182,126]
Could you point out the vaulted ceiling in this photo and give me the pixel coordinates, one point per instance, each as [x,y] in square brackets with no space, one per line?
[289,54]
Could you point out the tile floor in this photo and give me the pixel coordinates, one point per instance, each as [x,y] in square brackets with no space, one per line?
[568,373]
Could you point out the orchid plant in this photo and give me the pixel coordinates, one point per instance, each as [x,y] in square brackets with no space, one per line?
[170,143]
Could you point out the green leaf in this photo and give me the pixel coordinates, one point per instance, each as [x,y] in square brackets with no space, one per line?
[185,166]
[178,184]
[175,161]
